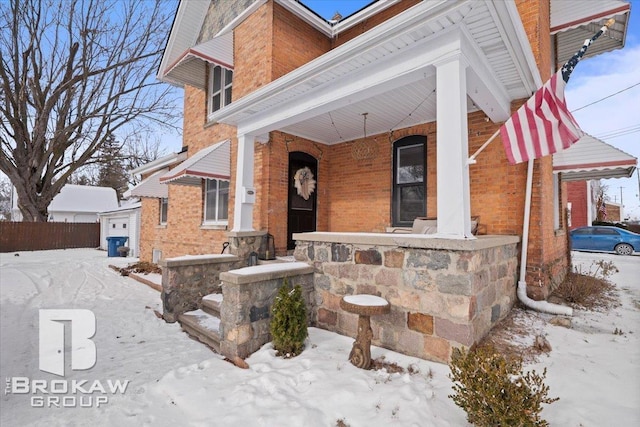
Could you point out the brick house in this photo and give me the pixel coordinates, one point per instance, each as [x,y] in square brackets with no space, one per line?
[334,137]
[581,167]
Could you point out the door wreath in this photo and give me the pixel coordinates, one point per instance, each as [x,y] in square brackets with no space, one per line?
[304,182]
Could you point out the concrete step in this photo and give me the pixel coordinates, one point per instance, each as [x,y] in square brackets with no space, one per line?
[202,326]
[211,304]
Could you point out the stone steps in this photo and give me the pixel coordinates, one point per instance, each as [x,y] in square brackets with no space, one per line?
[203,326]
[211,304]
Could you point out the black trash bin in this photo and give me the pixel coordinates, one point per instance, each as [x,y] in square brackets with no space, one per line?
[113,243]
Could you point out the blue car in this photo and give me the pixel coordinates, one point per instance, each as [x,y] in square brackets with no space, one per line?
[605,239]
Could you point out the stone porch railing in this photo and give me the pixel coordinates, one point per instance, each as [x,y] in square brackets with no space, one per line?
[443,293]
[248,294]
[186,279]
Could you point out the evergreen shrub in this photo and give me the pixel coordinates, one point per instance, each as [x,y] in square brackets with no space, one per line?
[288,324]
[494,391]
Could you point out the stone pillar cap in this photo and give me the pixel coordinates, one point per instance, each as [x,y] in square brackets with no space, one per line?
[366,305]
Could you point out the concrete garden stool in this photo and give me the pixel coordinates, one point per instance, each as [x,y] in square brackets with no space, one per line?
[364,306]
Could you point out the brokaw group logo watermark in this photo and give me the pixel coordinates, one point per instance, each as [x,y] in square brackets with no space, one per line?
[63,393]
[83,350]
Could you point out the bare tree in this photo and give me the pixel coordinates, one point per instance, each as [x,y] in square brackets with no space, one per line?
[73,73]
[5,198]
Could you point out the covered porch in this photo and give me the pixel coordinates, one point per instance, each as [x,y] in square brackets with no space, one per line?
[433,64]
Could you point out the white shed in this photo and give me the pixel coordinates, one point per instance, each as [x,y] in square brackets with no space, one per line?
[121,222]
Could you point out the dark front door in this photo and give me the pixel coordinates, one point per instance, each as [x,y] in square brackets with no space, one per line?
[303,176]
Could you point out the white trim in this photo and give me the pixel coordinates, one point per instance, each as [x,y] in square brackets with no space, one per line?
[187,10]
[363,15]
[160,203]
[217,221]
[224,87]
[160,163]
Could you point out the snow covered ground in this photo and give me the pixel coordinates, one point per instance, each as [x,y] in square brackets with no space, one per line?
[175,381]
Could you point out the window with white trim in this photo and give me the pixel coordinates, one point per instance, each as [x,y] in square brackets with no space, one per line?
[220,85]
[164,209]
[216,201]
[409,180]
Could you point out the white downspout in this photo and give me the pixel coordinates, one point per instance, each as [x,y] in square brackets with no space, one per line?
[543,306]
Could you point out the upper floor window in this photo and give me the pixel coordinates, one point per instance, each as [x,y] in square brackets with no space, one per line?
[220,85]
[409,180]
[216,201]
[164,208]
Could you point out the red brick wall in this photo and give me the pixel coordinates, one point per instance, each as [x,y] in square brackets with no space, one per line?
[548,249]
[578,195]
[294,42]
[253,52]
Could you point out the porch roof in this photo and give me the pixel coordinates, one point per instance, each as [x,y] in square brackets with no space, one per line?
[150,187]
[389,73]
[591,158]
[573,21]
[212,162]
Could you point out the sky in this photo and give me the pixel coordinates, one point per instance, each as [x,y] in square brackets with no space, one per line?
[173,380]
[615,120]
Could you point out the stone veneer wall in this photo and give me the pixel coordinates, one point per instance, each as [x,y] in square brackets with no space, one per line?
[185,280]
[439,298]
[248,294]
[242,243]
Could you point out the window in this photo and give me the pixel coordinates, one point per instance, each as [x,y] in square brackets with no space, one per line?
[220,85]
[557,202]
[164,208]
[606,231]
[409,180]
[582,231]
[216,201]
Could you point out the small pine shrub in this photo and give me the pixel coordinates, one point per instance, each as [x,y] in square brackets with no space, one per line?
[494,391]
[288,325]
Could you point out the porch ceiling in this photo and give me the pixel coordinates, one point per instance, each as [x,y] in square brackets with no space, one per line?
[389,73]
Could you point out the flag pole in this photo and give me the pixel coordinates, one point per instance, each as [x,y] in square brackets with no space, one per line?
[472,160]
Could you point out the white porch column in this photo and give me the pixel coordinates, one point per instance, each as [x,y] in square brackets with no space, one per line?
[454,205]
[245,191]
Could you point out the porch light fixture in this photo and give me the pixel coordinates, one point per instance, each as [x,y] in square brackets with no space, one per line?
[362,150]
[267,249]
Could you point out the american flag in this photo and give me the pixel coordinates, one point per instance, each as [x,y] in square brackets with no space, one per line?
[603,211]
[544,125]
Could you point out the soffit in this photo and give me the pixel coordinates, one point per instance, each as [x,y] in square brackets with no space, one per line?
[496,38]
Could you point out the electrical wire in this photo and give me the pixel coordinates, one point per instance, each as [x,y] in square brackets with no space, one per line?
[606,97]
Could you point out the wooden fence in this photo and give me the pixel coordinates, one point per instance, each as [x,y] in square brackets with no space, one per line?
[37,236]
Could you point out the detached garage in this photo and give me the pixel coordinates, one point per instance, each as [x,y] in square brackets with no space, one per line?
[122,222]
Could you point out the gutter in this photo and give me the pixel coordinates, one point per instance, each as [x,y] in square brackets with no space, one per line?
[542,306]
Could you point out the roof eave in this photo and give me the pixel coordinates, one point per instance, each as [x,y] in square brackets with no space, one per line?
[160,163]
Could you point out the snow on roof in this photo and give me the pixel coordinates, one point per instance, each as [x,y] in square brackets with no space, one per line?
[127,205]
[84,198]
